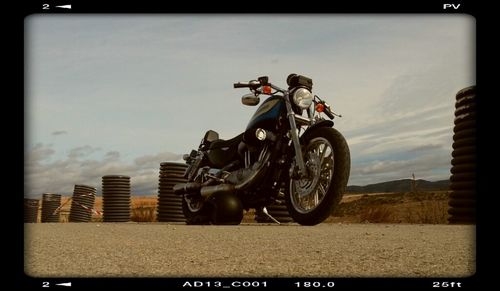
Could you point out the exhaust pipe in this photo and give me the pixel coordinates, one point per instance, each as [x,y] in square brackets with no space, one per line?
[184,188]
[208,191]
[205,192]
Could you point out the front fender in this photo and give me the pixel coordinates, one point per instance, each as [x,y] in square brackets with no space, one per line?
[322,123]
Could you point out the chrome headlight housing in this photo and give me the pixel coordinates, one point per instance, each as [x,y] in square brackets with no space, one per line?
[302,98]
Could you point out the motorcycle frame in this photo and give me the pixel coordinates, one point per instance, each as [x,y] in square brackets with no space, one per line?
[293,120]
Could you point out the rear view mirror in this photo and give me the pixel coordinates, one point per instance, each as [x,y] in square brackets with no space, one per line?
[250,99]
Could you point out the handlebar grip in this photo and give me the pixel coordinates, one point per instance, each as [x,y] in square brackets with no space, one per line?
[240,85]
[328,113]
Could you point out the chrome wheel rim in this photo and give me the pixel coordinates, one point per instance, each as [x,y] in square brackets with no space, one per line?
[307,193]
[194,205]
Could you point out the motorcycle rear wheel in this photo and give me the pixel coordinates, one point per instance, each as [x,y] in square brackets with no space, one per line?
[326,155]
[196,212]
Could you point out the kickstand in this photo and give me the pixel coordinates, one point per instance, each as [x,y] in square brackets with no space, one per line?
[264,210]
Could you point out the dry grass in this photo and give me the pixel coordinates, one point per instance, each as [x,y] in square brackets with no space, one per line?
[143,210]
[432,212]
[378,214]
[425,207]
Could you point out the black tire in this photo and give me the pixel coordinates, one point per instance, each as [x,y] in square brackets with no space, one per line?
[464,109]
[464,185]
[338,180]
[463,177]
[467,133]
[464,118]
[466,92]
[464,101]
[462,151]
[463,194]
[462,211]
[469,141]
[461,220]
[470,203]
[169,205]
[464,125]
[461,160]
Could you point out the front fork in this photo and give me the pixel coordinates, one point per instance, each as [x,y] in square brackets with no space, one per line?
[295,138]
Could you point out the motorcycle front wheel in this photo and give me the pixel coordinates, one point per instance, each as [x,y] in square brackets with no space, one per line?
[312,199]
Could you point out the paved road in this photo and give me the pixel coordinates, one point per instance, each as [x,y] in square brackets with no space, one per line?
[248,250]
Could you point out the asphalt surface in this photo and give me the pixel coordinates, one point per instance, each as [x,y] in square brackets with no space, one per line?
[248,250]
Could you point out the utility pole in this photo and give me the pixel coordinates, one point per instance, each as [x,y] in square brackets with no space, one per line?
[413,184]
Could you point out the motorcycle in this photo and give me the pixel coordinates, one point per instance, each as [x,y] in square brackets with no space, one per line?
[289,154]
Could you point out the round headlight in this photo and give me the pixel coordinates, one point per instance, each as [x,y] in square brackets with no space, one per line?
[303,98]
[260,134]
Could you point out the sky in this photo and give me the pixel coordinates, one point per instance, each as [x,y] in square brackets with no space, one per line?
[113,94]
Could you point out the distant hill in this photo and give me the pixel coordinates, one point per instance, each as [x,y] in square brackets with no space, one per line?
[403,185]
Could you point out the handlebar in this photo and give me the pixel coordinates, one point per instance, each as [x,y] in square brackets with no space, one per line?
[292,80]
[254,84]
[328,113]
[240,85]
[326,108]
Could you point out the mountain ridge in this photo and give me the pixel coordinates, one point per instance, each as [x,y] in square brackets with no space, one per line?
[403,185]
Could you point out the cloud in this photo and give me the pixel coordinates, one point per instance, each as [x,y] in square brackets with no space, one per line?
[112,156]
[152,160]
[82,151]
[39,153]
[59,132]
[43,175]
[410,131]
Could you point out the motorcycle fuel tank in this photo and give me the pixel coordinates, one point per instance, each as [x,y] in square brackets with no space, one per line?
[267,114]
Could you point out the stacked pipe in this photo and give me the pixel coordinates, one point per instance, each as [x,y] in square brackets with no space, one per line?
[277,210]
[462,200]
[50,202]
[116,198]
[280,212]
[30,210]
[170,204]
[82,203]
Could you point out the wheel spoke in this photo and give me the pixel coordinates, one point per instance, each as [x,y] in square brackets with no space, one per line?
[308,193]
[322,190]
[322,154]
[304,203]
[325,158]
[316,197]
[311,202]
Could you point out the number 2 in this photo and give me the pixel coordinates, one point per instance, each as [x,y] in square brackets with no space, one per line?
[45,284]
[45,7]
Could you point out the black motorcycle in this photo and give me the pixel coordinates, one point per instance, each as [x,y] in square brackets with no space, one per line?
[284,156]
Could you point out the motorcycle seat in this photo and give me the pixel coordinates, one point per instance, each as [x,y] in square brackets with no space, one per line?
[226,144]
[222,152]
